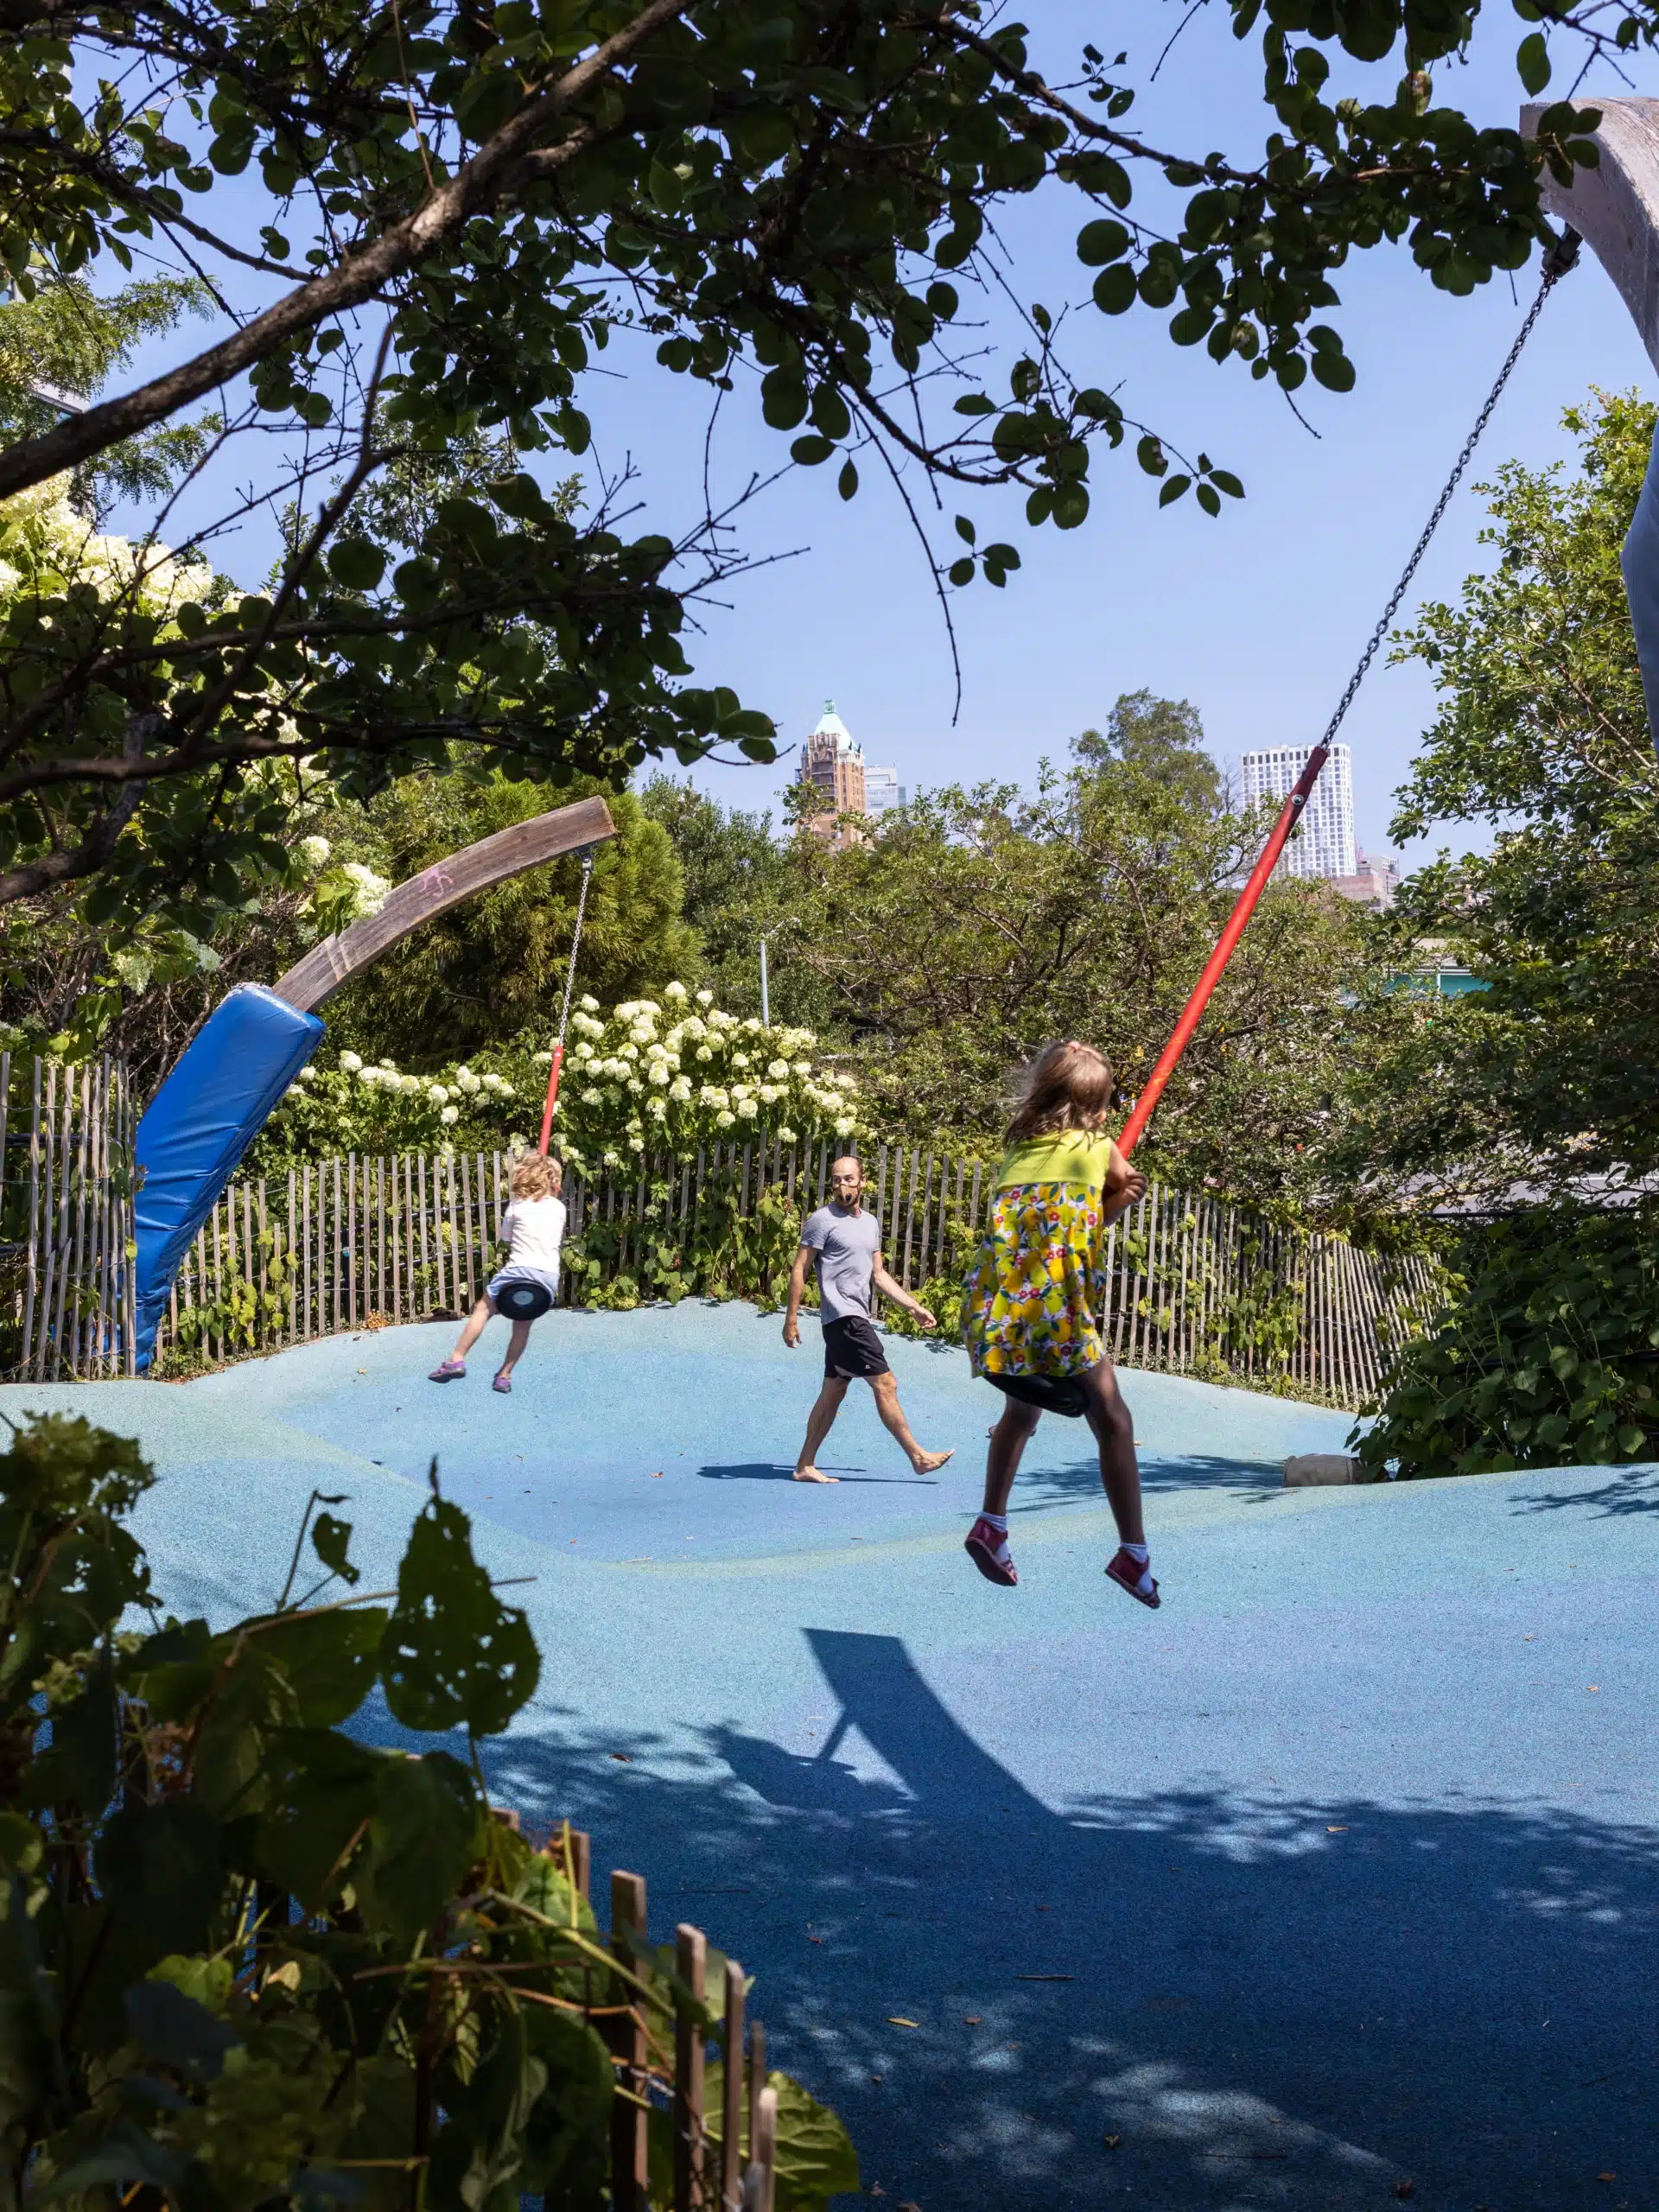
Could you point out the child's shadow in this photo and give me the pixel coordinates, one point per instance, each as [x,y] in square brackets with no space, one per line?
[761,1471]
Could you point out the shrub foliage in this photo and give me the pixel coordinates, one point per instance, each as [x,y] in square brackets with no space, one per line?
[1547,1354]
[249,1959]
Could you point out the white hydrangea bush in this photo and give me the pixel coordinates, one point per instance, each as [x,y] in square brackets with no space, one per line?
[660,1076]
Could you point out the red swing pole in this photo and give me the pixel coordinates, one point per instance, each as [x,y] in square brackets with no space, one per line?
[1215,967]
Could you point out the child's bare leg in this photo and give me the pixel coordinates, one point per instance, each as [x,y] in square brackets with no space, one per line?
[516,1343]
[474,1329]
[819,1422]
[886,1388]
[1008,1440]
[1120,1473]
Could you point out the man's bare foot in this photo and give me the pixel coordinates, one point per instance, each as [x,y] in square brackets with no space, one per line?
[811,1475]
[925,1462]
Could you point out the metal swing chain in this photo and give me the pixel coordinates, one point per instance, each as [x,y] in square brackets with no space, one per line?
[1560,258]
[576,943]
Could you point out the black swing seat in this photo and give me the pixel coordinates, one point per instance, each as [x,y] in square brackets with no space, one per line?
[524,1301]
[1049,1394]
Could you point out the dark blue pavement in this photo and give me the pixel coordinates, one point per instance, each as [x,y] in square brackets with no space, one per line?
[1337,1873]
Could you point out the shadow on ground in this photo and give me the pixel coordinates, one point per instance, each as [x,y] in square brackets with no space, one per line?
[1267,2002]
[766,1471]
[1633,1490]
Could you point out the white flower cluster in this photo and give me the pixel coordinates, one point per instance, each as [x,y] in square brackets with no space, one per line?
[663,1070]
[668,1075]
[45,547]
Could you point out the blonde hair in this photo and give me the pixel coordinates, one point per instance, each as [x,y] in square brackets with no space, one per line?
[1066,1087]
[535,1176]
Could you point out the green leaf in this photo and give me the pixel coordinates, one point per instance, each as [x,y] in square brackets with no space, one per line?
[159,1867]
[1172,490]
[178,2031]
[975,403]
[961,572]
[1151,456]
[1532,61]
[816,2158]
[783,398]
[1114,289]
[811,449]
[426,1831]
[77,1770]
[329,1660]
[1224,480]
[1101,241]
[964,530]
[847,482]
[319,1789]
[453,1654]
[1209,499]
[331,1539]
[1334,371]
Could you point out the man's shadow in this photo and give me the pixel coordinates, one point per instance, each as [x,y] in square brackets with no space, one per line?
[763,1470]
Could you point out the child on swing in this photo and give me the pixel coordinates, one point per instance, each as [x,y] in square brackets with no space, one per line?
[1032,1302]
[532,1227]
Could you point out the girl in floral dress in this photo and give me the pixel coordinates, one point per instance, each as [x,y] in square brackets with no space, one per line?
[1032,1302]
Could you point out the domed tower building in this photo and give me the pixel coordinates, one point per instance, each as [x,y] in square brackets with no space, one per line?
[833,764]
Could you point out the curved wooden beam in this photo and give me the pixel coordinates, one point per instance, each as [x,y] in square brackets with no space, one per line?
[493,860]
[1615,208]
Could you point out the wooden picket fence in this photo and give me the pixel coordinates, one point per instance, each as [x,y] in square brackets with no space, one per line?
[712,2172]
[1195,1286]
[67,1284]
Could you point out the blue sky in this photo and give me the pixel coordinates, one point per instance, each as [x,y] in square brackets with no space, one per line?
[1257,618]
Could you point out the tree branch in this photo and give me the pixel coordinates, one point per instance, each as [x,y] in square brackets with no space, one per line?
[357,278]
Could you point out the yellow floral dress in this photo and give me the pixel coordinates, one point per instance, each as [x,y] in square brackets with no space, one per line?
[1032,1302]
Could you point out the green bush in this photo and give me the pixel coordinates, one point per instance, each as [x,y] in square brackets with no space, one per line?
[1546,1354]
[249,1959]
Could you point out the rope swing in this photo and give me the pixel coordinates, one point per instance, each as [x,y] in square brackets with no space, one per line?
[1557,260]
[586,858]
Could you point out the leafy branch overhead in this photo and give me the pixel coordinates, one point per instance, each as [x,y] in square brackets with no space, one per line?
[464,208]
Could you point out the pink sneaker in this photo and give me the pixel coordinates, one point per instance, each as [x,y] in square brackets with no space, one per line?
[503,1384]
[1127,1571]
[987,1548]
[450,1371]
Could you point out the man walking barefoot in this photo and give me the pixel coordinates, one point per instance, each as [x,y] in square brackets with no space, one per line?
[845,1243]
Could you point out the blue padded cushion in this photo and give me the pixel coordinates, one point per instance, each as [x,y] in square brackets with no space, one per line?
[199,1123]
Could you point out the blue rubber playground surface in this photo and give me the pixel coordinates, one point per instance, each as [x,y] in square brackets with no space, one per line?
[1338,1873]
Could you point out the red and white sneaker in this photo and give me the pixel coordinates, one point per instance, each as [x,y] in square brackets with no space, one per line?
[1128,1575]
[987,1548]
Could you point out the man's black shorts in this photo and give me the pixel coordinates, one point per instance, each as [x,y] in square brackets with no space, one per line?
[851,1347]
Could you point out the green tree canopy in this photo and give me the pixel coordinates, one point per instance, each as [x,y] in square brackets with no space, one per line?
[982,924]
[446,213]
[1162,739]
[1551,1073]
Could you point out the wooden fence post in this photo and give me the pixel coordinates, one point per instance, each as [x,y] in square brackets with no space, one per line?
[691,1959]
[731,2117]
[630,2174]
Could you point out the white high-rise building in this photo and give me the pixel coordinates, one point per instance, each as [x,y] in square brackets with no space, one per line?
[882,790]
[1325,845]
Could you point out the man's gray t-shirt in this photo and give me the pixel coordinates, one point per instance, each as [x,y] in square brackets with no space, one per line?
[846,1244]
